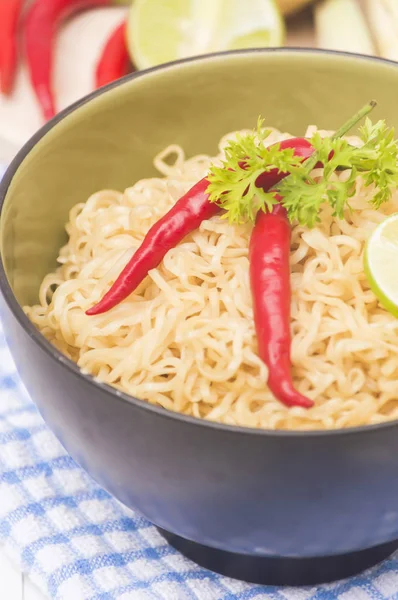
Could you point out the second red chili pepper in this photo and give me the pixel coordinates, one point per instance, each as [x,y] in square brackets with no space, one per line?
[9,16]
[183,218]
[269,253]
[114,61]
[41,23]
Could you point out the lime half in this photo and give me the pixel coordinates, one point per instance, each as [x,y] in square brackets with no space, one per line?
[160,31]
[381,260]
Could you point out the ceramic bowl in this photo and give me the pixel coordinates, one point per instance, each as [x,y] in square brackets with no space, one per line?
[265,506]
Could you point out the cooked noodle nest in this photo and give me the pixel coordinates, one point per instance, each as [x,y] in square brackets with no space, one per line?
[185,339]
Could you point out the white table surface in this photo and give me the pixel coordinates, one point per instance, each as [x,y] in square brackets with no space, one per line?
[77,50]
[14,585]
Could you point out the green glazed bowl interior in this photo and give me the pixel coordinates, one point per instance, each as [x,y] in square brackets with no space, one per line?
[110,140]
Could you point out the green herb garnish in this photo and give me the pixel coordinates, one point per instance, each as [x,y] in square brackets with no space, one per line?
[233,185]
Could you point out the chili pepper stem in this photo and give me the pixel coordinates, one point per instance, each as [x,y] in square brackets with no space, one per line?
[365,110]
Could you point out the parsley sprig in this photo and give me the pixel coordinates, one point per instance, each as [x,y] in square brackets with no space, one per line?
[233,185]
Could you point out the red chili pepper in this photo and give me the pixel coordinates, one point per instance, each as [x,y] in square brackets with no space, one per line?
[114,61]
[9,16]
[41,25]
[185,216]
[269,253]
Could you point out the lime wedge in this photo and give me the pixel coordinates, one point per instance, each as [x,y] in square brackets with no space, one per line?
[381,259]
[160,31]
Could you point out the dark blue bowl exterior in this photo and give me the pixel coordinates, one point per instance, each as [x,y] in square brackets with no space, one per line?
[246,492]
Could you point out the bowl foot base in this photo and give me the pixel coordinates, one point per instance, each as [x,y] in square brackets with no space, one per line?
[278,570]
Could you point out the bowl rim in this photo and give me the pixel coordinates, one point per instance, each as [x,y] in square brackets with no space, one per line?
[69,365]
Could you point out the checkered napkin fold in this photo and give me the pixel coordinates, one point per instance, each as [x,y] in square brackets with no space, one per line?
[78,543]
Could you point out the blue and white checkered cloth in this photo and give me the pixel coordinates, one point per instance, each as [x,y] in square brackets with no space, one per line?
[78,543]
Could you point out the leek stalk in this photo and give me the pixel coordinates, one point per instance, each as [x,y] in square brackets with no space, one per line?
[341,25]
